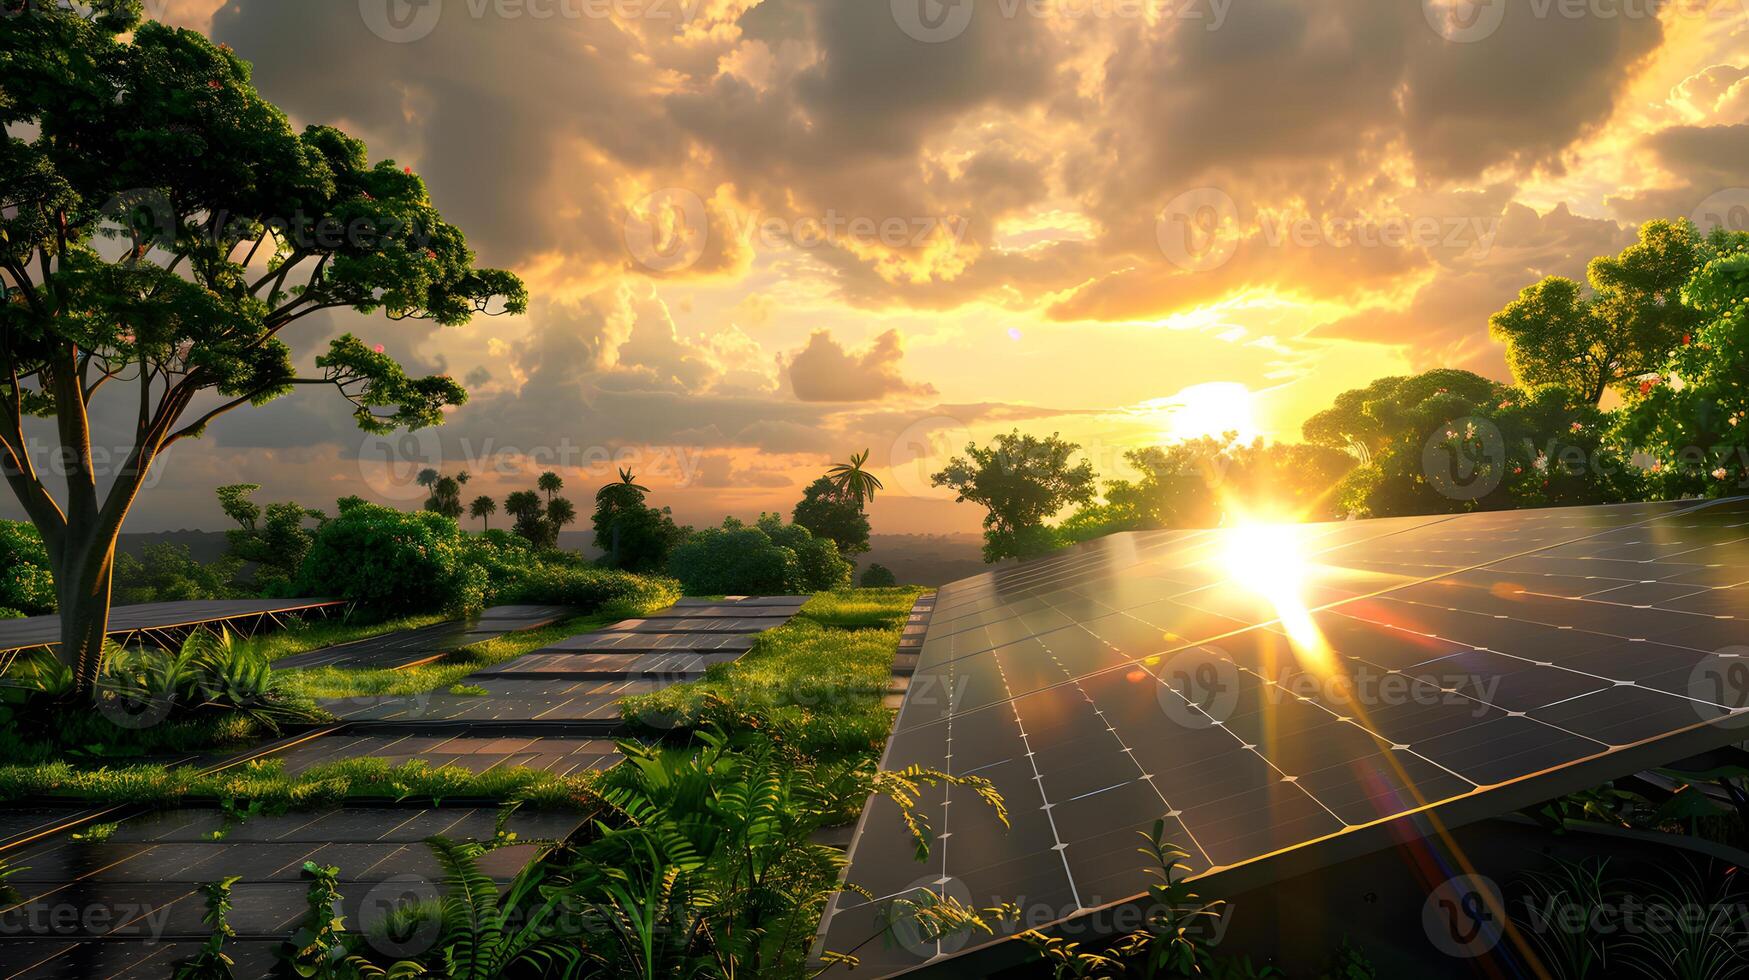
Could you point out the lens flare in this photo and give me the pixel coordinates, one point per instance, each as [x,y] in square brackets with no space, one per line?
[1268,560]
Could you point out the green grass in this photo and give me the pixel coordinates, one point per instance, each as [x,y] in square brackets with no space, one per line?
[354,682]
[303,636]
[817,681]
[265,782]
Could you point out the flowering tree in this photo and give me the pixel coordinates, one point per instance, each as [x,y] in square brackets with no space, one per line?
[1692,416]
[161,226]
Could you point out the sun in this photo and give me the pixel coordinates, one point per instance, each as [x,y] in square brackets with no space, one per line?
[1211,409]
[1269,560]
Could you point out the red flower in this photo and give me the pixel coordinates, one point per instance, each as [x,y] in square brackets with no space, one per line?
[406,170]
[214,83]
[1687,338]
[378,348]
[1647,386]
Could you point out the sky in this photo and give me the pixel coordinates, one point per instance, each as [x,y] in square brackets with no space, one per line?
[763,234]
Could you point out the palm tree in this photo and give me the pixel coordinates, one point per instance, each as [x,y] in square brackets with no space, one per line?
[463,477]
[852,480]
[427,477]
[627,479]
[550,483]
[560,513]
[483,507]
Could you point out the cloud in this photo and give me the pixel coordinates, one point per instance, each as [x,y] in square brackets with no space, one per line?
[824,371]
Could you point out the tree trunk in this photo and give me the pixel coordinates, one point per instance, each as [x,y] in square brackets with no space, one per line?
[82,586]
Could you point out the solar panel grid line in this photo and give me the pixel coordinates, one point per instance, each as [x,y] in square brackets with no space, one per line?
[1591,719]
[1316,609]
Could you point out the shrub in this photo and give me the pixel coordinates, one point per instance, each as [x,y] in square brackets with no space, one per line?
[26,583]
[765,559]
[167,572]
[393,562]
[879,577]
[591,589]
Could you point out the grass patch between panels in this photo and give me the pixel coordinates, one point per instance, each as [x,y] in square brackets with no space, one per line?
[817,681]
[264,784]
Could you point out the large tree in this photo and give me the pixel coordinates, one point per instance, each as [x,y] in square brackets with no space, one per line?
[1556,332]
[1021,481]
[828,511]
[161,226]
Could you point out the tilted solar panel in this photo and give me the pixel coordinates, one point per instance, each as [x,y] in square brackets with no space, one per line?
[1285,696]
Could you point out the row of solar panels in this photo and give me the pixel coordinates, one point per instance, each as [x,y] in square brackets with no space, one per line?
[1284,697]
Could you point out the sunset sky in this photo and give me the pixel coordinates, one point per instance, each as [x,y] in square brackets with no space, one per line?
[762,234]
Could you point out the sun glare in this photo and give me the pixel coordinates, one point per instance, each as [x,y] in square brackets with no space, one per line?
[1210,410]
[1268,559]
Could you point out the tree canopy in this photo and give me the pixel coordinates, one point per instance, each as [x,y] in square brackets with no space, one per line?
[1021,481]
[829,511]
[1557,333]
[163,227]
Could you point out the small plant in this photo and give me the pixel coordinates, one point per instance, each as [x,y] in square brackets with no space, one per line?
[97,833]
[468,690]
[8,893]
[211,962]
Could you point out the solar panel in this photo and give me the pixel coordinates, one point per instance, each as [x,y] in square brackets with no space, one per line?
[145,617]
[1281,696]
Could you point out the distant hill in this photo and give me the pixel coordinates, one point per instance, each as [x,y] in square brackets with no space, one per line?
[917,559]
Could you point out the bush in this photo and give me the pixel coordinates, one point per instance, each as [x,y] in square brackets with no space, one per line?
[878,577]
[26,583]
[590,589]
[393,562]
[167,572]
[770,558]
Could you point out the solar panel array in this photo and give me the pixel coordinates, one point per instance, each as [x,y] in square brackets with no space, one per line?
[1417,664]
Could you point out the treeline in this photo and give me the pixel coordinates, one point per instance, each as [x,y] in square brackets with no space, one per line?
[1663,327]
[398,562]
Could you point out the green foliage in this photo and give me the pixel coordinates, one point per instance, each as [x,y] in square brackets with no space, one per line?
[1204,482]
[167,572]
[1633,317]
[1692,415]
[264,786]
[852,480]
[393,562]
[479,941]
[705,863]
[767,558]
[212,673]
[632,535]
[167,224]
[816,682]
[446,495]
[211,962]
[836,515]
[1451,442]
[275,541]
[1021,482]
[878,577]
[26,582]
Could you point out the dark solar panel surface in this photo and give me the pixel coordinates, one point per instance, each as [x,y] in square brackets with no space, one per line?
[32,631]
[407,647]
[131,905]
[559,754]
[1415,662]
[506,699]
